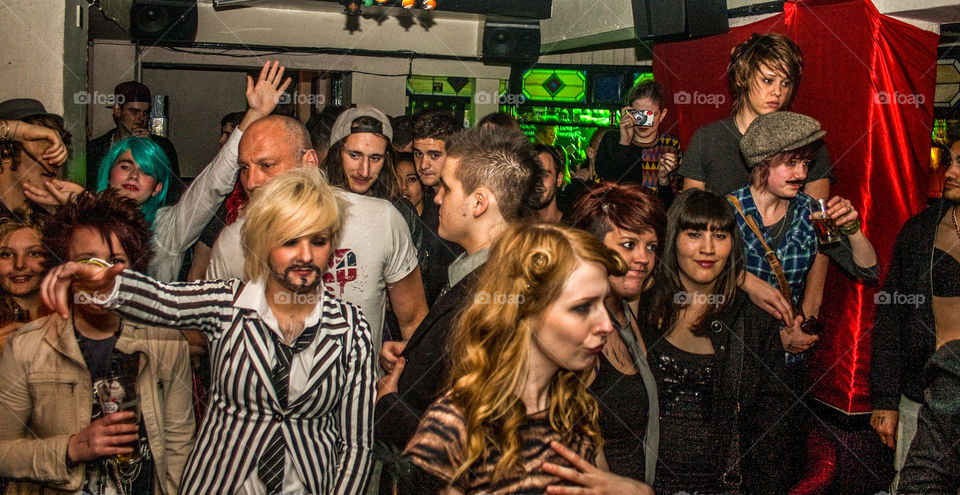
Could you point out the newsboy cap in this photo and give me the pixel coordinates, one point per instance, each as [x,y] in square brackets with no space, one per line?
[776,132]
[22,108]
[343,127]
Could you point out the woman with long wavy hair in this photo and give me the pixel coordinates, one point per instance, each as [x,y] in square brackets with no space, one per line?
[521,354]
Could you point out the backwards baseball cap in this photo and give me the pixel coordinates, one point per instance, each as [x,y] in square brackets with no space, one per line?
[777,132]
[131,91]
[344,125]
[22,108]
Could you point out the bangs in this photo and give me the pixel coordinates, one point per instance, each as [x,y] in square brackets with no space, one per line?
[707,212]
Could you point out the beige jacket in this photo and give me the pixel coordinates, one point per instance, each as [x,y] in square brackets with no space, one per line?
[46,395]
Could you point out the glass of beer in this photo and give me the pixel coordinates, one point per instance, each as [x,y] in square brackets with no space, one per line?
[117,393]
[825,226]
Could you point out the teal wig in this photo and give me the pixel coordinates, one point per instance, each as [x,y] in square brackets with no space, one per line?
[152,161]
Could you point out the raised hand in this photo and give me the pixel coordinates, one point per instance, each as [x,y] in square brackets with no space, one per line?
[841,210]
[55,155]
[264,94]
[626,126]
[94,280]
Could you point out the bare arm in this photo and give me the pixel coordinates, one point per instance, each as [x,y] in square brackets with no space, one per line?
[409,302]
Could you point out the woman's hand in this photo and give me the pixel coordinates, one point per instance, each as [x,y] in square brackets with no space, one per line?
[668,162]
[55,155]
[590,479]
[95,281]
[626,126]
[842,211]
[767,298]
[55,192]
[884,422]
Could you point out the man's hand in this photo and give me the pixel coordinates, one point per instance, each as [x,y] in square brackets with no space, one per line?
[590,479]
[390,353]
[626,126]
[54,155]
[54,193]
[884,422]
[795,340]
[389,384]
[110,434]
[263,96]
[96,280]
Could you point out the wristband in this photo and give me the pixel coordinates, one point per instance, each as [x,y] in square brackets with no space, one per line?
[97,261]
[850,228]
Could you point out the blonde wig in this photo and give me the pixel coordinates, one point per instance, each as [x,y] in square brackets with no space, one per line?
[298,203]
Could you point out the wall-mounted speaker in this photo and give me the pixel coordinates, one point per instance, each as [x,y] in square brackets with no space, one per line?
[508,42]
[679,19]
[158,22]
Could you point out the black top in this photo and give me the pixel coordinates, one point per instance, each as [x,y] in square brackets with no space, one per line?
[903,336]
[714,158]
[947,281]
[685,383]
[437,253]
[933,463]
[623,418]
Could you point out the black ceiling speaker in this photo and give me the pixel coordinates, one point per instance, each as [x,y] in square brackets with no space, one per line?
[508,42]
[159,22]
[679,19]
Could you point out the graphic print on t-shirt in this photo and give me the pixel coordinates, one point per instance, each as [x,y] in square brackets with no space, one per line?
[343,269]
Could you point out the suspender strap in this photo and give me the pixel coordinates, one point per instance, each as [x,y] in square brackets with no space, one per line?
[769,255]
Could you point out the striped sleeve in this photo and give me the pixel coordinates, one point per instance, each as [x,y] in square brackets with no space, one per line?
[356,409]
[204,305]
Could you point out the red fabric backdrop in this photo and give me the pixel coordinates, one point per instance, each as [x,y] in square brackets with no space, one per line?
[869,79]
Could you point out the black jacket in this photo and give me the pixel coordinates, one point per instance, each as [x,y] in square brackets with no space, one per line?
[397,415]
[904,335]
[933,463]
[750,395]
[98,148]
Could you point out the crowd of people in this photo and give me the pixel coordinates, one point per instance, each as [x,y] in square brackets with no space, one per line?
[363,304]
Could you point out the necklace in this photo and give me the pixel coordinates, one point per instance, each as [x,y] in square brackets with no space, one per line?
[956,225]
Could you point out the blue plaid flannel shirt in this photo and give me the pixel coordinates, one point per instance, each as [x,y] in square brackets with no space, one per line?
[796,252]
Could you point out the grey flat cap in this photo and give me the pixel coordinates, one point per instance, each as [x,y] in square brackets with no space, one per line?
[21,108]
[776,132]
[343,127]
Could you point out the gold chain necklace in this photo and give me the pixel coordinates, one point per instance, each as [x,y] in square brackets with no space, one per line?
[956,225]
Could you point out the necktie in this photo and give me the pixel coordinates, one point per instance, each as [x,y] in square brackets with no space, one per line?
[270,464]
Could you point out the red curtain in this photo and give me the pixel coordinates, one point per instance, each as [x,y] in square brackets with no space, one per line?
[869,79]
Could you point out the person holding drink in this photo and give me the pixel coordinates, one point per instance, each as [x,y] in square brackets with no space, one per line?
[62,378]
[776,222]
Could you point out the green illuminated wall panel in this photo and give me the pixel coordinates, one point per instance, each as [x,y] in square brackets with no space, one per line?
[555,85]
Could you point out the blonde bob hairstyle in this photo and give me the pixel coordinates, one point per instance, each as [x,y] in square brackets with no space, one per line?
[297,203]
[491,342]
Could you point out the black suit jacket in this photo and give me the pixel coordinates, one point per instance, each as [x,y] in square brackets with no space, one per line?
[98,148]
[397,415]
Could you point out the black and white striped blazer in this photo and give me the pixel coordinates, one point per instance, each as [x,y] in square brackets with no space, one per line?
[328,428]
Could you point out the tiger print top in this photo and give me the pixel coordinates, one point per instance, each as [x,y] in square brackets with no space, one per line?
[436,448]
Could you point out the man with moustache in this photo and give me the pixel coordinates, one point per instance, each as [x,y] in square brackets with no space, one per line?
[918,310]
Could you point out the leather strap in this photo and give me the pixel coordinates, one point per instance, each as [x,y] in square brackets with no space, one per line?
[769,255]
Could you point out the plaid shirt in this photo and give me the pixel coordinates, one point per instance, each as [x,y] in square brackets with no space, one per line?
[796,251]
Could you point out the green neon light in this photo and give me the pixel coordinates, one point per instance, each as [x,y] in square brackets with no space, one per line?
[642,77]
[555,85]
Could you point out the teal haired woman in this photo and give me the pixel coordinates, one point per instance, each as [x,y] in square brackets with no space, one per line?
[138,168]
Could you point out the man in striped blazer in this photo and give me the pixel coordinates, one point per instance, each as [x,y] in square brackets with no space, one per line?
[292,391]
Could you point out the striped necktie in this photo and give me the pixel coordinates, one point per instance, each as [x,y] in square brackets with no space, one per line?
[270,464]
